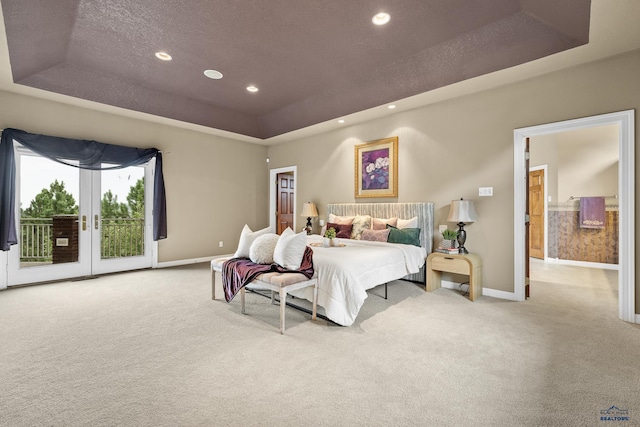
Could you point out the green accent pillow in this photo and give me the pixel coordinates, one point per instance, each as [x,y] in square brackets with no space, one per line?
[406,236]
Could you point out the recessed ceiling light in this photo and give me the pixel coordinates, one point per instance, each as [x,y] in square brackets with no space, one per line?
[213,74]
[391,107]
[381,18]
[164,56]
[340,121]
[252,88]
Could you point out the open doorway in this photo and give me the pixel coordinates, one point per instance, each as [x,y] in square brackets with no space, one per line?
[282,198]
[626,277]
[567,170]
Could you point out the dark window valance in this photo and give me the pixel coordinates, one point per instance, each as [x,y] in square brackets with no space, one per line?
[89,155]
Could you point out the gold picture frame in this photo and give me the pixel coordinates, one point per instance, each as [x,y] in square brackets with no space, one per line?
[376,168]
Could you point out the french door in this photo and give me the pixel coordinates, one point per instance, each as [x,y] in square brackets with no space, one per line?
[74,222]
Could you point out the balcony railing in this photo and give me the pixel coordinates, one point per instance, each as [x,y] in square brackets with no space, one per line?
[36,240]
[120,237]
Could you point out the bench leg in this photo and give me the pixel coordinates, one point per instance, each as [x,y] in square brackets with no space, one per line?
[315,301]
[213,284]
[283,304]
[242,300]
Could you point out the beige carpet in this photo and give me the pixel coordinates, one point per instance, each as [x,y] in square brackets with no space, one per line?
[150,348]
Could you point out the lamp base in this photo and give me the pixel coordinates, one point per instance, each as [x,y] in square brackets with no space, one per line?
[462,237]
[308,227]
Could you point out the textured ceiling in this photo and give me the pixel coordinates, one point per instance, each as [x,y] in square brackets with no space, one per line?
[312,60]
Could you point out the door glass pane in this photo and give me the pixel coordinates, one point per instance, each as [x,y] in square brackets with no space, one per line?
[122,213]
[49,194]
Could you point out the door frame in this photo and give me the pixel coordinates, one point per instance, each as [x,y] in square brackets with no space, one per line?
[545,206]
[626,176]
[273,173]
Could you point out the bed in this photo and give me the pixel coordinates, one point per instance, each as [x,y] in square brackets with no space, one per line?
[345,273]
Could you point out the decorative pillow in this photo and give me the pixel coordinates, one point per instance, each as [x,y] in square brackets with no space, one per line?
[375,235]
[246,239]
[381,224]
[290,248]
[261,251]
[408,223]
[340,219]
[342,231]
[406,236]
[360,223]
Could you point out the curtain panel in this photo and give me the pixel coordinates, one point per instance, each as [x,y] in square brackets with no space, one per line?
[88,155]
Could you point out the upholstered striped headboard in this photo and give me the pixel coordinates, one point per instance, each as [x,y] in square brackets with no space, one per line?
[423,210]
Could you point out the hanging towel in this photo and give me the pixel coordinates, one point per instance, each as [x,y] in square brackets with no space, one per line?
[592,213]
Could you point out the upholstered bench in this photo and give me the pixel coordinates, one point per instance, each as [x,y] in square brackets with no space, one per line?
[274,282]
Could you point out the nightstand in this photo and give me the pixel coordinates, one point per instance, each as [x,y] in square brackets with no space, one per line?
[466,264]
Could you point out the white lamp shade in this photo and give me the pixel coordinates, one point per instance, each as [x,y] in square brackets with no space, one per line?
[309,210]
[462,211]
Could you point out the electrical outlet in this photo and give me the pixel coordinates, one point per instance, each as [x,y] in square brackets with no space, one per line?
[485,191]
[441,228]
[220,244]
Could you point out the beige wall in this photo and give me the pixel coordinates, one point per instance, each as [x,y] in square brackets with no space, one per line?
[449,149]
[588,162]
[214,185]
[579,163]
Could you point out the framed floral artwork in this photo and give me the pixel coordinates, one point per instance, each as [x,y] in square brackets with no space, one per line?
[376,168]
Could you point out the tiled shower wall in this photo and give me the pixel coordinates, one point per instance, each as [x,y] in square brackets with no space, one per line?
[570,242]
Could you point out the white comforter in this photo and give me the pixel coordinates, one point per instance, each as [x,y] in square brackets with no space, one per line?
[345,273]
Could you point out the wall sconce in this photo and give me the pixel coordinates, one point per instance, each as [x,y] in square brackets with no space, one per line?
[310,211]
[462,211]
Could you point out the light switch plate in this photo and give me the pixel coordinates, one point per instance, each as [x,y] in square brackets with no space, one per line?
[485,191]
[441,228]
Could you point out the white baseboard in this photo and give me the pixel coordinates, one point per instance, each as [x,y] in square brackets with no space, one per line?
[511,296]
[638,318]
[189,261]
[495,293]
[583,263]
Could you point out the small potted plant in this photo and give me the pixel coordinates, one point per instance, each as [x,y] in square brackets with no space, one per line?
[449,237]
[329,235]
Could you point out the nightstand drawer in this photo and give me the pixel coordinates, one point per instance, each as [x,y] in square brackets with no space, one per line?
[450,265]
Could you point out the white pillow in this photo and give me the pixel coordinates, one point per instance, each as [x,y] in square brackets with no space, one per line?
[290,249]
[246,239]
[408,223]
[261,251]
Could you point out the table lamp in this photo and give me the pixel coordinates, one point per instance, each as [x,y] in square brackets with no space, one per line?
[462,211]
[309,210]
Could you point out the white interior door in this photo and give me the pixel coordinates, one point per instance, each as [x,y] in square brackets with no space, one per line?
[62,232]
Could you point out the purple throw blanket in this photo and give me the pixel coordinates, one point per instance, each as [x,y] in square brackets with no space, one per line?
[592,212]
[239,272]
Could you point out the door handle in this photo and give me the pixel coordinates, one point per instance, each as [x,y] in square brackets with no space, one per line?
[84,222]
[95,222]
